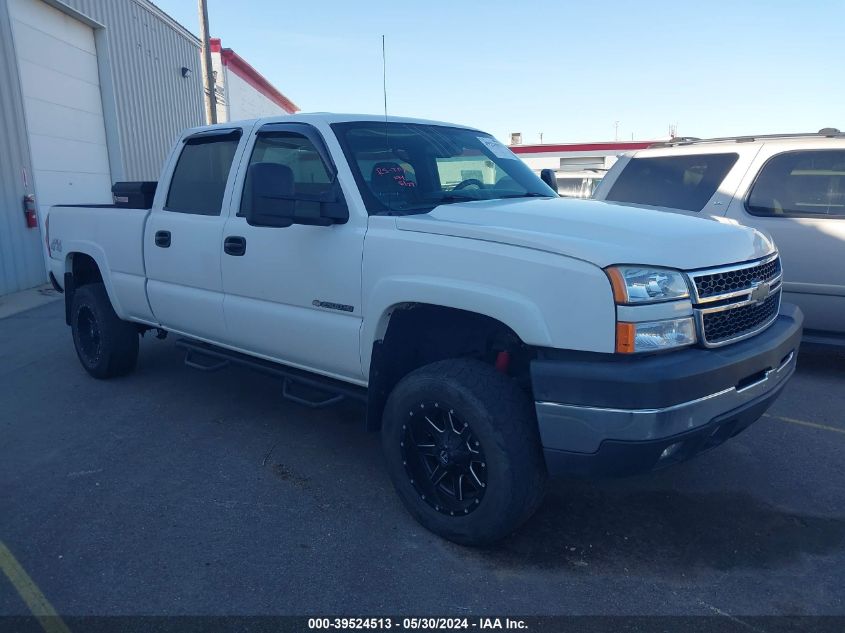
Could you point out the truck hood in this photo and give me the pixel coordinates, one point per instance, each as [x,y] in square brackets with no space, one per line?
[601,233]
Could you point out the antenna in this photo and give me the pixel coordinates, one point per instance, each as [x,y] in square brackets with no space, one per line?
[384,75]
[388,201]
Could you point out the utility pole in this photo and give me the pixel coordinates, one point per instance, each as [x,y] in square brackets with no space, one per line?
[208,75]
[616,130]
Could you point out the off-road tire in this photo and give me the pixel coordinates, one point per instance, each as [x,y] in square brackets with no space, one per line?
[500,417]
[106,346]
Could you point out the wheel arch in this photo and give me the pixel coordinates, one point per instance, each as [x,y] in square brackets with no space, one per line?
[513,310]
[86,266]
[412,334]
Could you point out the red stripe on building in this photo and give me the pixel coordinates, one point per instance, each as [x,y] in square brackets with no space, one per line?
[242,69]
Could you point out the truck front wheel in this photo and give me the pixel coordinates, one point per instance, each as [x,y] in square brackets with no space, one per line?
[106,346]
[463,451]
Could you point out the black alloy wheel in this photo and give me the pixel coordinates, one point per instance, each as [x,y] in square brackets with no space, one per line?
[444,460]
[463,451]
[90,342]
[106,345]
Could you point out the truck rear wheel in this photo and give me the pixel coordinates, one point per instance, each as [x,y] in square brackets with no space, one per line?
[106,346]
[463,451]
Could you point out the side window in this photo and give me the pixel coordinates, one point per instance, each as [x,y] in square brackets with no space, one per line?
[678,182]
[800,184]
[291,165]
[199,180]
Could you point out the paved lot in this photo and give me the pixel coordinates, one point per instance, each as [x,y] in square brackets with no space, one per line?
[177,492]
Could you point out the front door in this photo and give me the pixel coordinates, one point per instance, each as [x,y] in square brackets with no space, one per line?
[293,294]
[183,240]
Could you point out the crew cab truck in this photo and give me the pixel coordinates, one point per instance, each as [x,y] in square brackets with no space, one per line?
[496,332]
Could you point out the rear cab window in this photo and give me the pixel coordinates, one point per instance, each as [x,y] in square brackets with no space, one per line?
[201,173]
[804,183]
[684,182]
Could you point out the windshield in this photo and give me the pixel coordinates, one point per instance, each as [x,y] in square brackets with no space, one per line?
[404,168]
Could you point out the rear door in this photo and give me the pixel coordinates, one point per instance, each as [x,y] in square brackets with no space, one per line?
[183,240]
[798,197]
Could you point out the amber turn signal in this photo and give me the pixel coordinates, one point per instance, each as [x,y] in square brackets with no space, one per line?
[620,292]
[626,334]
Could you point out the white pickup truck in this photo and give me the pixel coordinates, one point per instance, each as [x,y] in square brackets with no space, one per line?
[496,332]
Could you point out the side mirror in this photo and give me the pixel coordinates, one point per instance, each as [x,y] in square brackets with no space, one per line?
[549,177]
[271,200]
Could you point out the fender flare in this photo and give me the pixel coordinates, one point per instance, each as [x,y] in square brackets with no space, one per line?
[510,308]
[96,253]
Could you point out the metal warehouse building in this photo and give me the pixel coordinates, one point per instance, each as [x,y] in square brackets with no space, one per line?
[91,92]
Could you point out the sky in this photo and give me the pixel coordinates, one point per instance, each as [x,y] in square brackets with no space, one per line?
[569,70]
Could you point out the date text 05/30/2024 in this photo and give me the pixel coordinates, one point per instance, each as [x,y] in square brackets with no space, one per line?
[413,624]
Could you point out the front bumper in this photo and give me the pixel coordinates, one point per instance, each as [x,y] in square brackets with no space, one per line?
[602,414]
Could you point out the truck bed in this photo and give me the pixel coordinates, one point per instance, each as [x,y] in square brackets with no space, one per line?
[113,237]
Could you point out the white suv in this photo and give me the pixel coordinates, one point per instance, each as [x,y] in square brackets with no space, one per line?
[789,186]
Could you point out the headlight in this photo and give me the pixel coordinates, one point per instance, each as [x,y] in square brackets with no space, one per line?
[654,336]
[638,284]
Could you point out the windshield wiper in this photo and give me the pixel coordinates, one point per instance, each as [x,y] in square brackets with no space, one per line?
[457,198]
[527,194]
[452,197]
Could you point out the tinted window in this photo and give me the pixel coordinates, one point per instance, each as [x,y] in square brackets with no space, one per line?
[290,161]
[199,179]
[678,182]
[804,184]
[403,168]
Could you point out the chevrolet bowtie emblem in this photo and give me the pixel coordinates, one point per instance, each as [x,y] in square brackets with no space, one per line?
[760,292]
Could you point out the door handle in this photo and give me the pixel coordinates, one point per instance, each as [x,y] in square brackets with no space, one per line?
[234,245]
[163,239]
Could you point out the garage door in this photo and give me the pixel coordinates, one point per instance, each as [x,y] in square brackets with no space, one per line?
[64,111]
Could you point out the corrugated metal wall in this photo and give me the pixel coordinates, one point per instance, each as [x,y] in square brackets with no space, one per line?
[153,103]
[21,261]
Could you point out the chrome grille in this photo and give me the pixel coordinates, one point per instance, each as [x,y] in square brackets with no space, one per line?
[735,322]
[718,283]
[735,302]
